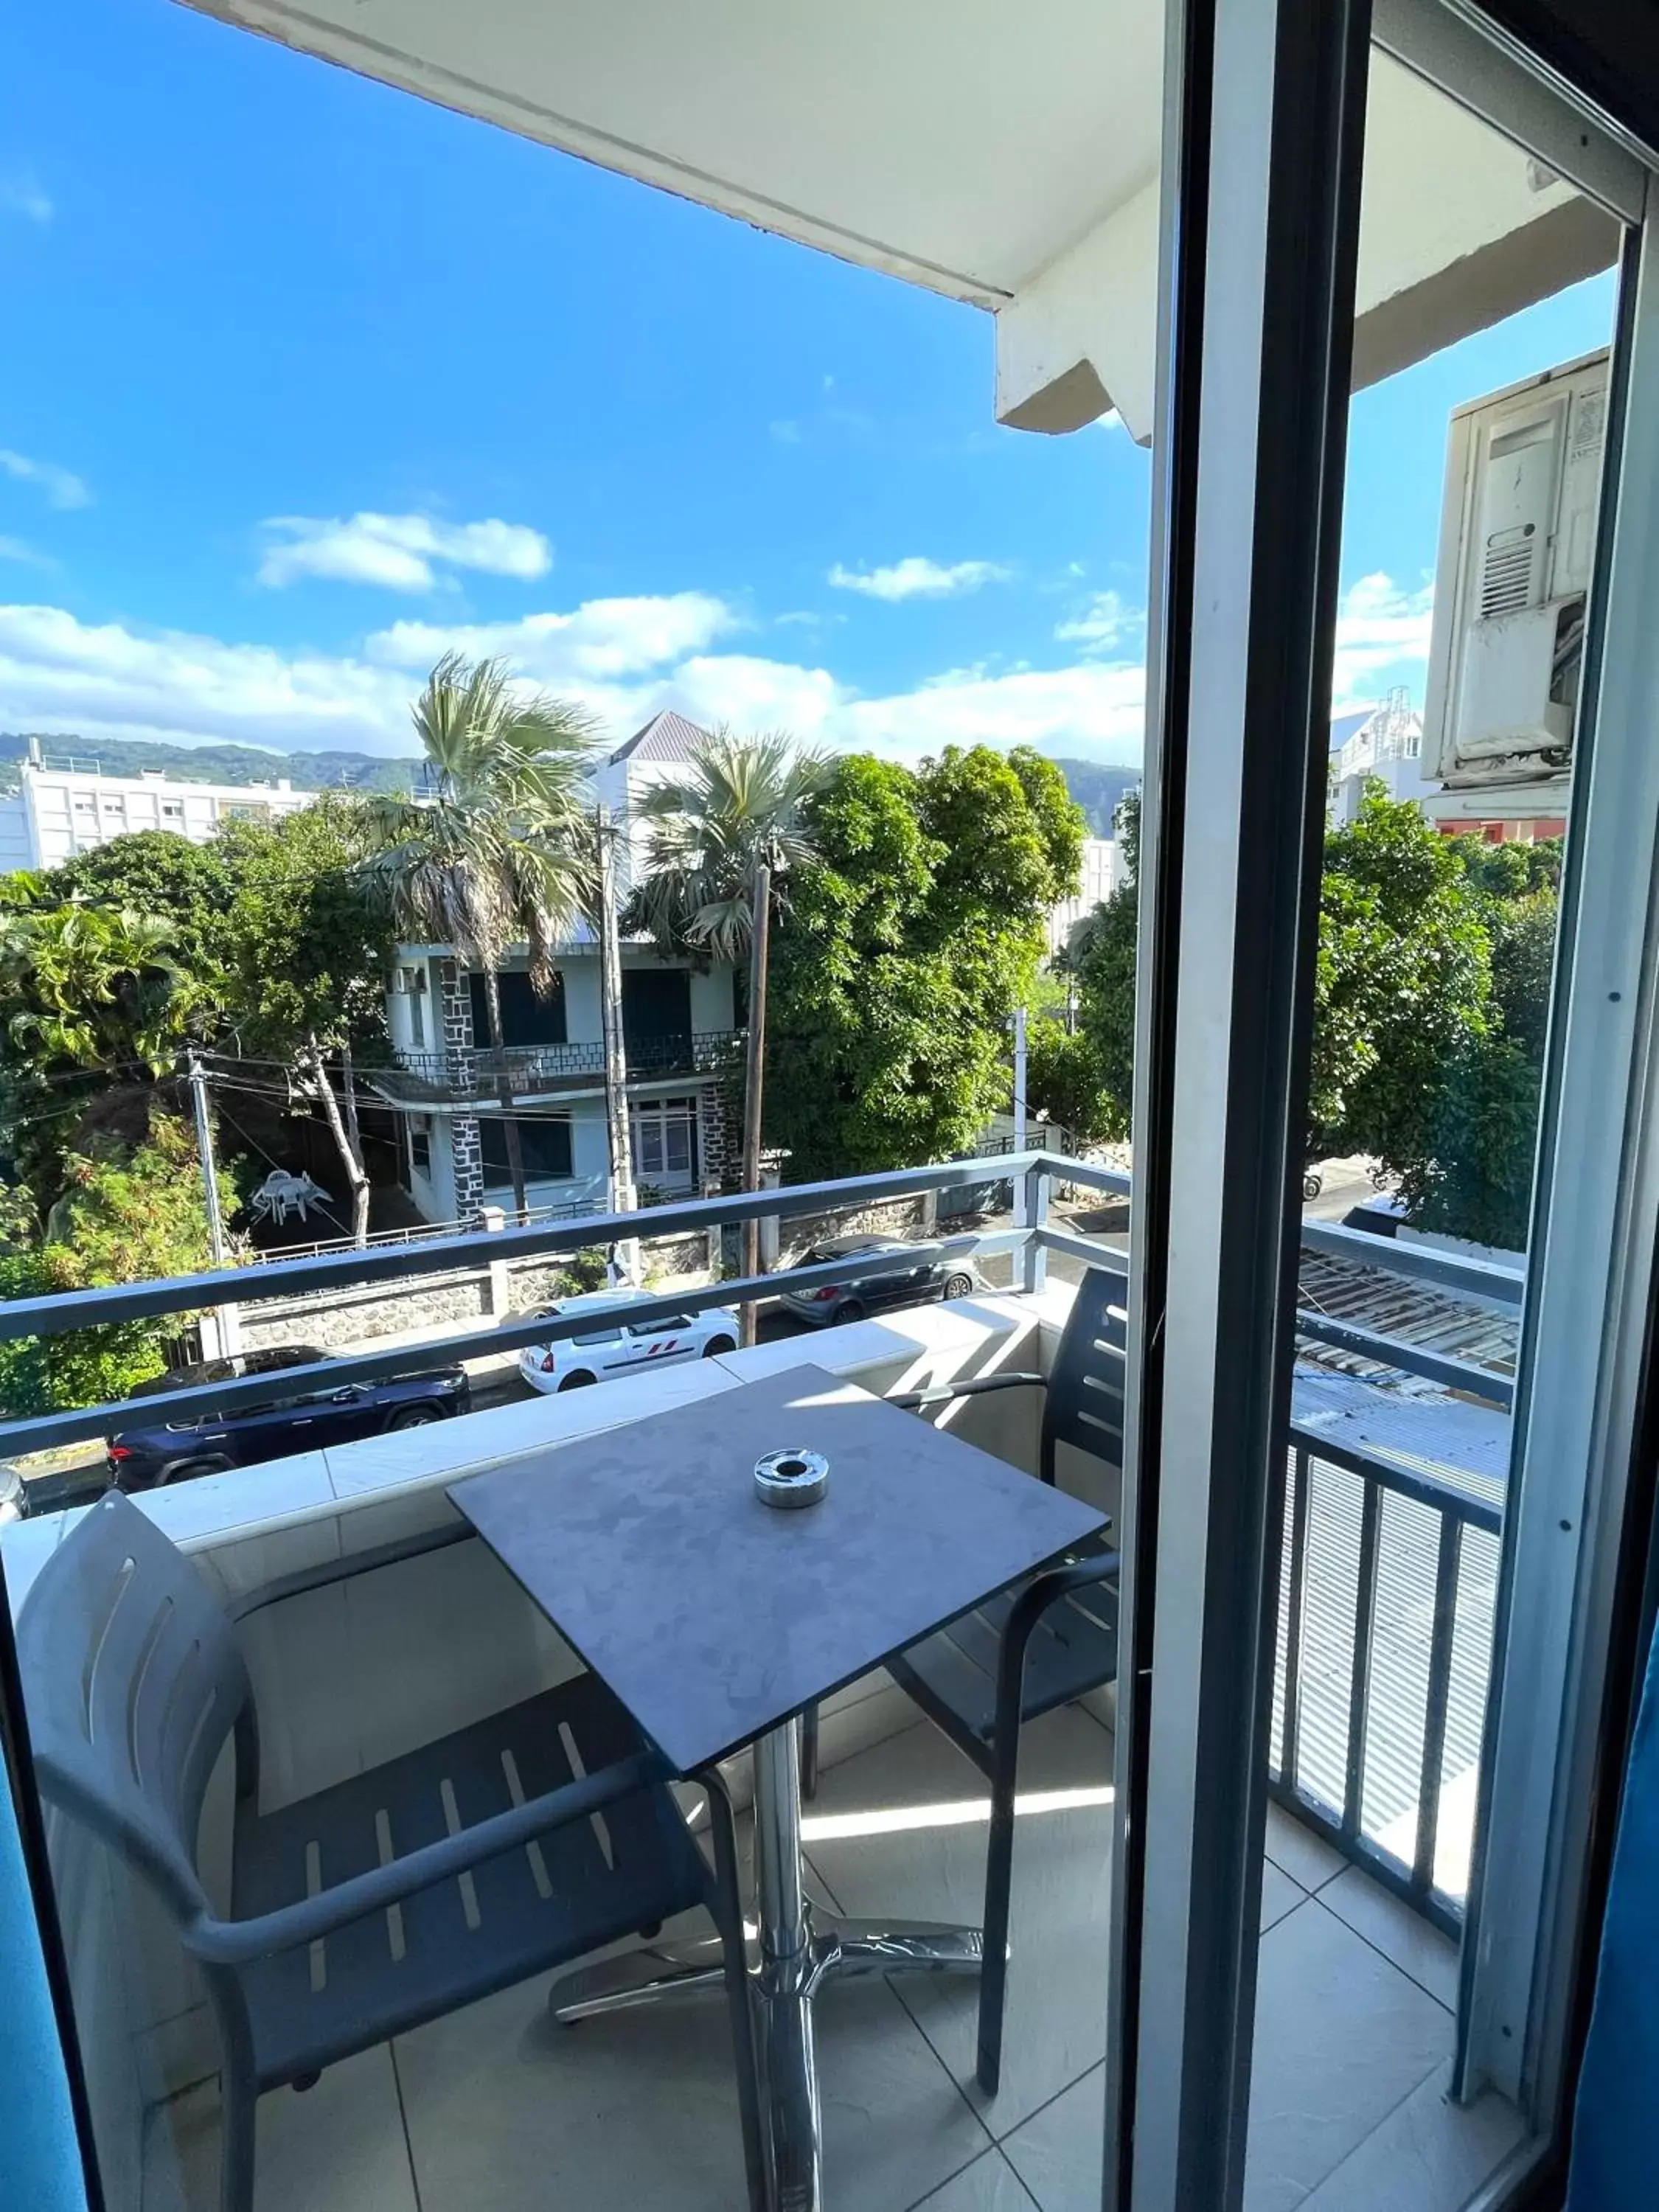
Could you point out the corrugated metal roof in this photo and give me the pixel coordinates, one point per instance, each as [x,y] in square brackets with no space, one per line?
[666,736]
[1393,1305]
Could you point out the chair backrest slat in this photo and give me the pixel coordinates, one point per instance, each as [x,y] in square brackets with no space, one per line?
[132,1679]
[1084,1402]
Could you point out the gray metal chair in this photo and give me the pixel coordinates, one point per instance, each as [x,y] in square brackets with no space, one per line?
[439,1877]
[1042,1644]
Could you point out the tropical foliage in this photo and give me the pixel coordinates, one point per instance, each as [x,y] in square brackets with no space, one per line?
[125,1215]
[910,936]
[1432,993]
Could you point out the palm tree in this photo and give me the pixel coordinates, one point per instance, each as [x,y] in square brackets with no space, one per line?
[492,855]
[723,840]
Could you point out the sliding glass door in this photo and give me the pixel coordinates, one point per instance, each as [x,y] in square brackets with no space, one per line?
[1398,839]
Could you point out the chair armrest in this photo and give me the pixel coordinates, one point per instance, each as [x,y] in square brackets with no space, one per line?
[344,1570]
[237,1943]
[1026,1611]
[975,1386]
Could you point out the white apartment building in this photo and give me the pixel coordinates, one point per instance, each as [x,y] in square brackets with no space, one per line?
[59,811]
[1386,744]
[1102,870]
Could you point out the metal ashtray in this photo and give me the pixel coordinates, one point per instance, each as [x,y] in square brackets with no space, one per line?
[790,1478]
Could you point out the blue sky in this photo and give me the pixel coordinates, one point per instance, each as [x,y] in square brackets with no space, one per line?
[317,379]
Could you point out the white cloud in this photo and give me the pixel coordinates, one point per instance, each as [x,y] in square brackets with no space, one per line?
[1105,621]
[104,680]
[916,577]
[1382,628]
[396,550]
[22,193]
[601,640]
[62,487]
[15,549]
[621,659]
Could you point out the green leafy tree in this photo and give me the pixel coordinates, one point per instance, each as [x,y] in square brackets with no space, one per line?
[93,1003]
[1065,1083]
[157,873]
[125,1216]
[1431,999]
[909,940]
[1403,981]
[496,854]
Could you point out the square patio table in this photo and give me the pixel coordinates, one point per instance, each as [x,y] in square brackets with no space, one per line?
[716,1621]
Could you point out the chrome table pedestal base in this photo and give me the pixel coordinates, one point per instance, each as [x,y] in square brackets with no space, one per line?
[793,1951]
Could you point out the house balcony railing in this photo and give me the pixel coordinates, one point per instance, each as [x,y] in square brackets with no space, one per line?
[426,1077]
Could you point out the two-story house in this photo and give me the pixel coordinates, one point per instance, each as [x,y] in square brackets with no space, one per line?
[680,1038]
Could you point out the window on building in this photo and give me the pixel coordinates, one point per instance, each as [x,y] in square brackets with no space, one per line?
[545,1143]
[420,1151]
[172,810]
[525,1019]
[665,1140]
[416,1019]
[656,1016]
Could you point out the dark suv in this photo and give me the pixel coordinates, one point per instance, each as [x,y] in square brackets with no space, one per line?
[851,1299]
[141,1458]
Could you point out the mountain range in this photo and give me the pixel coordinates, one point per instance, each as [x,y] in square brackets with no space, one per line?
[1096,788]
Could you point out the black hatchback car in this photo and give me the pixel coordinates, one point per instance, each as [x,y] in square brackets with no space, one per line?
[145,1458]
[860,1295]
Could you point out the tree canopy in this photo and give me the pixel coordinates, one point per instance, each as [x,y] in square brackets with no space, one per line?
[1432,994]
[908,941]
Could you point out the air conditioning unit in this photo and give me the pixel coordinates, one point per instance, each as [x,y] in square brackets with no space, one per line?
[408,982]
[1517,541]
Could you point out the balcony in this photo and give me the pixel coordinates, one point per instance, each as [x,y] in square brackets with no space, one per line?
[574,1069]
[1382,1661]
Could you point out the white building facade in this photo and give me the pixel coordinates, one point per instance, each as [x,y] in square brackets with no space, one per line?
[1102,871]
[681,1037]
[57,812]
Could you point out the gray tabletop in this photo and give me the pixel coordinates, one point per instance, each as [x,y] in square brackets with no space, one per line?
[712,1617]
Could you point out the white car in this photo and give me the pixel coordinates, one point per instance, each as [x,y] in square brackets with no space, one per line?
[614,1347]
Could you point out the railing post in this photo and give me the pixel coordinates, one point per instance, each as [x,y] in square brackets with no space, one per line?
[1031,1189]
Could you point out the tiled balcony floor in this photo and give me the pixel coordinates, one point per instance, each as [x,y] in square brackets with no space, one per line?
[496,2110]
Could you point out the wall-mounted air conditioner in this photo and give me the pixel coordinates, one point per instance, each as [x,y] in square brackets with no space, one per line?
[408,982]
[1517,541]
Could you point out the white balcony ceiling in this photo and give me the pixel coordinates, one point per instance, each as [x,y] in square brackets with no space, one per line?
[1002,156]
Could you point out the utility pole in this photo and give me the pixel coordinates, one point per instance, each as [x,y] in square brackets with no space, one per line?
[204,1147]
[226,1319]
[1020,1181]
[753,1075]
[619,1134]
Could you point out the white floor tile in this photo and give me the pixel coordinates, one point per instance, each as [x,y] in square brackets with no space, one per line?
[1280,1894]
[1429,2155]
[1400,1933]
[989,2185]
[903,1829]
[1294,1847]
[1341,2037]
[507,2110]
[339,2148]
[1058,2152]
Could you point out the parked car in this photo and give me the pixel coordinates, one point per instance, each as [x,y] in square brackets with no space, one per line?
[863,1294]
[145,1457]
[14,1496]
[614,1345]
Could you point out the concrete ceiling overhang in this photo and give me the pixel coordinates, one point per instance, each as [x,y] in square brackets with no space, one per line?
[1001,158]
